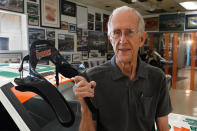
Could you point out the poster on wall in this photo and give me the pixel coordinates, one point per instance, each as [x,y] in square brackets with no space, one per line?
[172,22]
[152,24]
[98,16]
[82,43]
[32,8]
[68,8]
[191,21]
[64,25]
[82,17]
[50,36]
[36,34]
[12,5]
[97,41]
[90,17]
[105,21]
[90,26]
[98,26]
[65,42]
[50,13]
[33,20]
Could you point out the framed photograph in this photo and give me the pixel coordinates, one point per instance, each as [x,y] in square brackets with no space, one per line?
[76,57]
[105,21]
[72,28]
[85,55]
[33,20]
[67,57]
[79,32]
[90,17]
[11,57]
[66,42]
[98,26]
[68,8]
[93,55]
[90,26]
[152,24]
[50,13]
[172,22]
[191,21]
[32,8]
[98,16]
[12,5]
[50,34]
[34,1]
[64,25]
[36,34]
[4,43]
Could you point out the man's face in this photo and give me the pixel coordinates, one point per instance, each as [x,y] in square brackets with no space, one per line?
[127,44]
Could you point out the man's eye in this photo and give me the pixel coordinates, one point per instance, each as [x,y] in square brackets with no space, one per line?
[117,32]
[129,31]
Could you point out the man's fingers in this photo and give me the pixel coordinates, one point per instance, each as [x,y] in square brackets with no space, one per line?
[93,84]
[78,79]
[81,95]
[84,89]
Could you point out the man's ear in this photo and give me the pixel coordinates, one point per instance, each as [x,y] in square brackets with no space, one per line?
[143,38]
[109,38]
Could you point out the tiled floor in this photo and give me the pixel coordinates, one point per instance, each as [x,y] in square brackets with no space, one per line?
[184,101]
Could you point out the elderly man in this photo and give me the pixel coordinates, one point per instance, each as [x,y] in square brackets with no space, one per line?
[129,94]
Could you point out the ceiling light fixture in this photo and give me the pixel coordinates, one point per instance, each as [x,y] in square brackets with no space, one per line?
[189,5]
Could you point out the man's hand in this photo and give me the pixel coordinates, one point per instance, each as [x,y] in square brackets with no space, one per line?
[82,89]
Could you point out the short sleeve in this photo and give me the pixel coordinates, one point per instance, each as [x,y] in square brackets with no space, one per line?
[164,106]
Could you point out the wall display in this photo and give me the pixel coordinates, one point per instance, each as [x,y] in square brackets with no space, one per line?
[50,36]
[4,43]
[65,42]
[98,26]
[98,16]
[72,28]
[33,20]
[84,55]
[68,8]
[84,32]
[152,24]
[32,8]
[82,17]
[76,57]
[90,17]
[172,22]
[191,21]
[64,25]
[67,57]
[105,21]
[82,43]
[97,41]
[94,55]
[50,13]
[11,57]
[90,26]
[79,32]
[109,56]
[34,1]
[12,5]
[36,34]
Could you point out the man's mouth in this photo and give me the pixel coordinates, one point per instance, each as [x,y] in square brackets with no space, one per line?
[124,50]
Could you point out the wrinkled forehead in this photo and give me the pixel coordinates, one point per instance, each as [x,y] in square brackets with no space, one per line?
[125,19]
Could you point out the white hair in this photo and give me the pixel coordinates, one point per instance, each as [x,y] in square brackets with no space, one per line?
[126,8]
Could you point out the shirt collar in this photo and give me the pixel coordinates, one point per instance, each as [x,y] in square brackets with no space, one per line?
[140,73]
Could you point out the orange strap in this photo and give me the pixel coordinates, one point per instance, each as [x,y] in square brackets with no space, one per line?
[175,45]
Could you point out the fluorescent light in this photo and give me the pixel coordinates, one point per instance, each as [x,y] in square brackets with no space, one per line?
[189,5]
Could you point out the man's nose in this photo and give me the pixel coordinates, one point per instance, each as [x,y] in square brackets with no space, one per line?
[123,38]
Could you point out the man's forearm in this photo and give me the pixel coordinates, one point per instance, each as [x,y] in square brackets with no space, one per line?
[87,124]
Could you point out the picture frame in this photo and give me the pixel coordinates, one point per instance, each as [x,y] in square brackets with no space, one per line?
[66,42]
[98,16]
[72,28]
[50,13]
[67,57]
[36,34]
[191,21]
[76,57]
[33,20]
[90,17]
[68,8]
[64,25]
[36,1]
[32,8]
[10,57]
[85,55]
[15,6]
[152,24]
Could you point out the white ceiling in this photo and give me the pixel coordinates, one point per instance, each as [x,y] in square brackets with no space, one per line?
[144,8]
